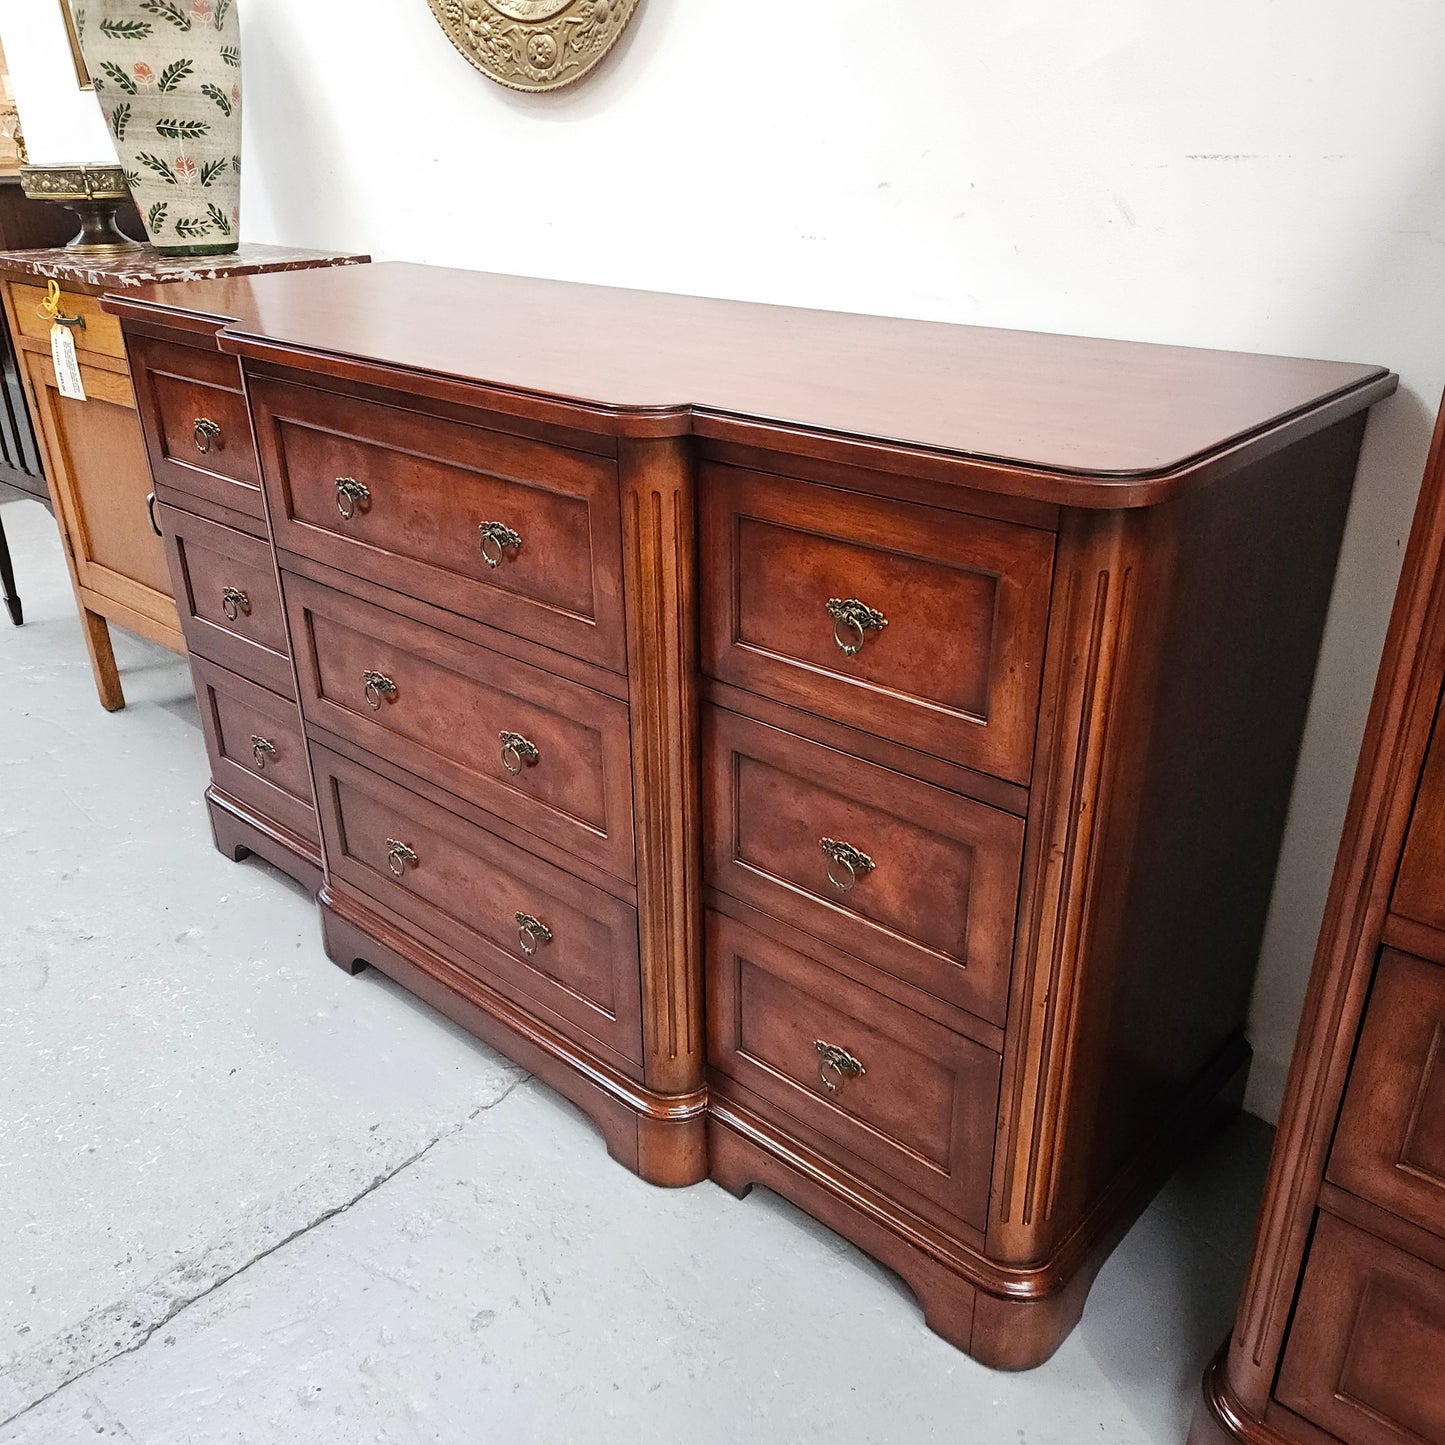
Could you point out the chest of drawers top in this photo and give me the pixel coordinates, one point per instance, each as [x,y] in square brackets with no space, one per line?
[1059,419]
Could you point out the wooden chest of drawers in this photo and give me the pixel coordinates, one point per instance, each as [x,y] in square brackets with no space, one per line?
[841,754]
[1340,1335]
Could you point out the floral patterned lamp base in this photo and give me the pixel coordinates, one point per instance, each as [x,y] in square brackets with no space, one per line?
[167,74]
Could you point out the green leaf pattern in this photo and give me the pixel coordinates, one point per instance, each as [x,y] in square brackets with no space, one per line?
[174,73]
[167,10]
[160,167]
[182,129]
[119,76]
[201,109]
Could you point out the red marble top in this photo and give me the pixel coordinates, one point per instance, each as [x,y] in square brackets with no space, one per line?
[146,266]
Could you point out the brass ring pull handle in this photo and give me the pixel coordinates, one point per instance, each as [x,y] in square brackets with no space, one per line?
[398,855]
[375,687]
[261,749]
[75,323]
[518,752]
[351,494]
[497,539]
[531,932]
[852,622]
[846,864]
[836,1066]
[234,602]
[208,434]
[151,514]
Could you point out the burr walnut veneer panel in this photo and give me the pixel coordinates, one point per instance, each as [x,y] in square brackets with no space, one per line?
[838,753]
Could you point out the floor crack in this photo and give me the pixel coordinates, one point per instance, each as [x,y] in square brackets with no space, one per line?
[180,1305]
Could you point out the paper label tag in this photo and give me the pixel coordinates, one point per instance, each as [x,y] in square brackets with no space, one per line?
[67,368]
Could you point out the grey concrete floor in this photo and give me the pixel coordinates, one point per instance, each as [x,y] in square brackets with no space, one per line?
[245,1198]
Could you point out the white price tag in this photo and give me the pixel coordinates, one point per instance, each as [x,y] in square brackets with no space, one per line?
[67,369]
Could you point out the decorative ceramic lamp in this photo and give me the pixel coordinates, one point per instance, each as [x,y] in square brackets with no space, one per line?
[167,74]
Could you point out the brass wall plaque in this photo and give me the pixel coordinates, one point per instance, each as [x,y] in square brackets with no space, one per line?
[534,44]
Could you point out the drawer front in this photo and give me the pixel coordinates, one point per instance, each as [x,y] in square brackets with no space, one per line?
[1420,887]
[946,654]
[1365,1357]
[1390,1146]
[229,600]
[924,1108]
[258,754]
[929,890]
[197,428]
[552,566]
[101,334]
[466,887]
[444,716]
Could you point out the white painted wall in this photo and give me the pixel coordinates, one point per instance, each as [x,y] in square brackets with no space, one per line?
[1251,174]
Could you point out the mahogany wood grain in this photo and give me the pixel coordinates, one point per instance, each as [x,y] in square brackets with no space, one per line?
[893,485]
[432,485]
[1104,569]
[466,886]
[273,782]
[528,843]
[956,669]
[207,560]
[1240,1398]
[239,832]
[886,752]
[838,960]
[662,1138]
[1101,410]
[1420,887]
[922,1114]
[1390,1147]
[470,629]
[1424,1243]
[177,387]
[659,549]
[939,906]
[452,702]
[1365,1358]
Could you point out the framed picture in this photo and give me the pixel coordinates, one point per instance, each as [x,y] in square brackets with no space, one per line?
[81,71]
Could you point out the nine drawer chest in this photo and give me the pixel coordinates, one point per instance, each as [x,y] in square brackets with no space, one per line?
[842,754]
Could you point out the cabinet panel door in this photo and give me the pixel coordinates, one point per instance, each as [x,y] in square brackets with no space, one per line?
[1420,888]
[1365,1357]
[1390,1148]
[101,477]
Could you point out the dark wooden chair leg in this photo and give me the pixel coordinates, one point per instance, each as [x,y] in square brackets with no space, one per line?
[7,580]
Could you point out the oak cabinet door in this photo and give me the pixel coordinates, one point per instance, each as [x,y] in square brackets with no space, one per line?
[101,480]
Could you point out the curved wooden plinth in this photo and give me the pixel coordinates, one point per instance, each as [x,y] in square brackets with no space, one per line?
[1220,1418]
[1002,1318]
[660,1137]
[238,832]
[1006,1317]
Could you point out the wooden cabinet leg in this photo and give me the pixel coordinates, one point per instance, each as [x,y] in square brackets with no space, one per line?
[102,661]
